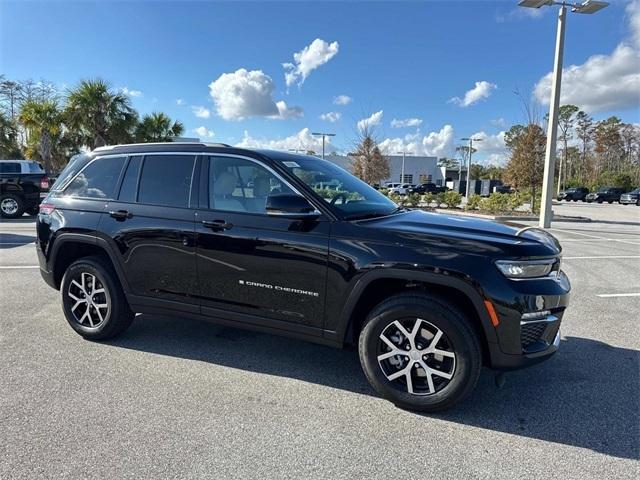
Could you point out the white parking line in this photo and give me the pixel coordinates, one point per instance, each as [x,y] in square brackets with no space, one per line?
[10,267]
[593,236]
[600,256]
[16,243]
[609,295]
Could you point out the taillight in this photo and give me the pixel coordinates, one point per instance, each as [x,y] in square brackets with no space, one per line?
[47,208]
[44,183]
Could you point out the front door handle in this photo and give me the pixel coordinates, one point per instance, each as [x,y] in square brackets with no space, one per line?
[217,225]
[121,215]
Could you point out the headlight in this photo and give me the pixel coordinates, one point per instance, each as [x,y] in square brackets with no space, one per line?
[526,269]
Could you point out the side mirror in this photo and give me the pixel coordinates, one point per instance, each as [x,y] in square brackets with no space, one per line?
[290,205]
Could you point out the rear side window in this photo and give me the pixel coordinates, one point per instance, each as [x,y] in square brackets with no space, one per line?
[166,180]
[74,166]
[35,167]
[10,167]
[97,180]
[129,188]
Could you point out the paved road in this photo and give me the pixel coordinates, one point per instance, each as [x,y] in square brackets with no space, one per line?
[179,398]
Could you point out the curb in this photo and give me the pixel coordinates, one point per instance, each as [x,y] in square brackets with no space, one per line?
[522,218]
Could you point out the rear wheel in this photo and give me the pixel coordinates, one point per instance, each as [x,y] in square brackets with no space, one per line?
[11,206]
[420,353]
[93,301]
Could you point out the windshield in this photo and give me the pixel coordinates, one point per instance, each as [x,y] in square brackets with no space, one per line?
[636,191]
[348,194]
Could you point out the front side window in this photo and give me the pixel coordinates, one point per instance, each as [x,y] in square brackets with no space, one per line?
[10,167]
[347,193]
[97,180]
[240,185]
[166,180]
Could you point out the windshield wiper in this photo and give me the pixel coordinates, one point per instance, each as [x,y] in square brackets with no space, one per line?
[365,215]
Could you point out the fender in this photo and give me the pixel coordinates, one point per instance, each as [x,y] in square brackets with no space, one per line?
[444,280]
[101,243]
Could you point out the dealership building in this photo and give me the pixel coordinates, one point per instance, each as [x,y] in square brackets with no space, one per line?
[417,169]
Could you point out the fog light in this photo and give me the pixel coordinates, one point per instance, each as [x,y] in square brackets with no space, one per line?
[535,315]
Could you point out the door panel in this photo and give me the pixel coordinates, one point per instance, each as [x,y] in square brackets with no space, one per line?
[253,263]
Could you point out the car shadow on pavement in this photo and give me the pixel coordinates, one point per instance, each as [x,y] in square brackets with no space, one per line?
[12,240]
[585,396]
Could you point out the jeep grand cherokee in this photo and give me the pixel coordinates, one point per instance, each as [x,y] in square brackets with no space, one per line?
[295,245]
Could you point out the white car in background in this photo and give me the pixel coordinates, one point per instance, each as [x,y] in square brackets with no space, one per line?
[400,188]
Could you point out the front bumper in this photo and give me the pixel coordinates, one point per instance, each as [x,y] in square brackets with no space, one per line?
[628,200]
[530,313]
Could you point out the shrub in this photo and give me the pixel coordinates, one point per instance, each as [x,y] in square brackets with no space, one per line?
[428,198]
[451,199]
[397,199]
[413,199]
[474,202]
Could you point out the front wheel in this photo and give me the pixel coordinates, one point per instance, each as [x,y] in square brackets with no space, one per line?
[93,301]
[419,352]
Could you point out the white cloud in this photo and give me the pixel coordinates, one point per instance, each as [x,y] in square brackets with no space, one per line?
[374,119]
[603,82]
[342,100]
[437,144]
[131,93]
[482,90]
[308,59]
[203,132]
[519,13]
[331,116]
[302,140]
[179,102]
[499,122]
[407,122]
[492,146]
[245,94]
[200,112]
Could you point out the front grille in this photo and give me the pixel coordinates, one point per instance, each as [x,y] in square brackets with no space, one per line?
[531,333]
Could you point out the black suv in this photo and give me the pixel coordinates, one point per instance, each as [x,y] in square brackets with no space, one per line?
[252,238]
[574,194]
[605,194]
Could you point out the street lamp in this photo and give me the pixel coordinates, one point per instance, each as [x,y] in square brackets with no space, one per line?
[403,152]
[471,140]
[588,7]
[323,135]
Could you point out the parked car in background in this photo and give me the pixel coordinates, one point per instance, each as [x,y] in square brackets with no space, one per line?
[574,194]
[503,189]
[401,189]
[424,188]
[23,183]
[632,197]
[605,194]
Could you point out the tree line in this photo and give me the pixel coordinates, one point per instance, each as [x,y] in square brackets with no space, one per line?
[38,121]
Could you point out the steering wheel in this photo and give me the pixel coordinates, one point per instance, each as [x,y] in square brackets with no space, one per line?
[343,196]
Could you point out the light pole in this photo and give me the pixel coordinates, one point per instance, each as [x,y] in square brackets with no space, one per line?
[589,6]
[403,152]
[471,140]
[323,135]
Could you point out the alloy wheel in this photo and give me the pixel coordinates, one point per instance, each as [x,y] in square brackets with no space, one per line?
[91,299]
[9,206]
[416,356]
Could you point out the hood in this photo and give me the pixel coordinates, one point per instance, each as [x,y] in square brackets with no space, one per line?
[527,241]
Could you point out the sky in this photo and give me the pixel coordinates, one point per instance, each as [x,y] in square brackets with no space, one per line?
[421,75]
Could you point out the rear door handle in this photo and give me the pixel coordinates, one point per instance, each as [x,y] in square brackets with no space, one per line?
[121,214]
[217,225]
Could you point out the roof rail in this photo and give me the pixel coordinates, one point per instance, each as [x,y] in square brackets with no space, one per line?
[205,144]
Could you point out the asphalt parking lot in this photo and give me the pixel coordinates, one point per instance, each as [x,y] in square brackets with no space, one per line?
[179,398]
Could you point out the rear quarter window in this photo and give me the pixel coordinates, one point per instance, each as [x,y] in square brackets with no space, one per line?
[97,180]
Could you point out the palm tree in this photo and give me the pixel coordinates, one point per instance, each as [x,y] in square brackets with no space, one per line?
[9,147]
[43,122]
[157,127]
[99,114]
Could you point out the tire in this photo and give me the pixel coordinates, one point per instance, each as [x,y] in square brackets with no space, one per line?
[609,202]
[11,206]
[462,362]
[600,200]
[113,314]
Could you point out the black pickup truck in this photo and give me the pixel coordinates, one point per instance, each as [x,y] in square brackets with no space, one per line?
[23,183]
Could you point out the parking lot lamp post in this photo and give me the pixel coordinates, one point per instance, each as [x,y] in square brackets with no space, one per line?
[403,152]
[588,7]
[323,135]
[471,140]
